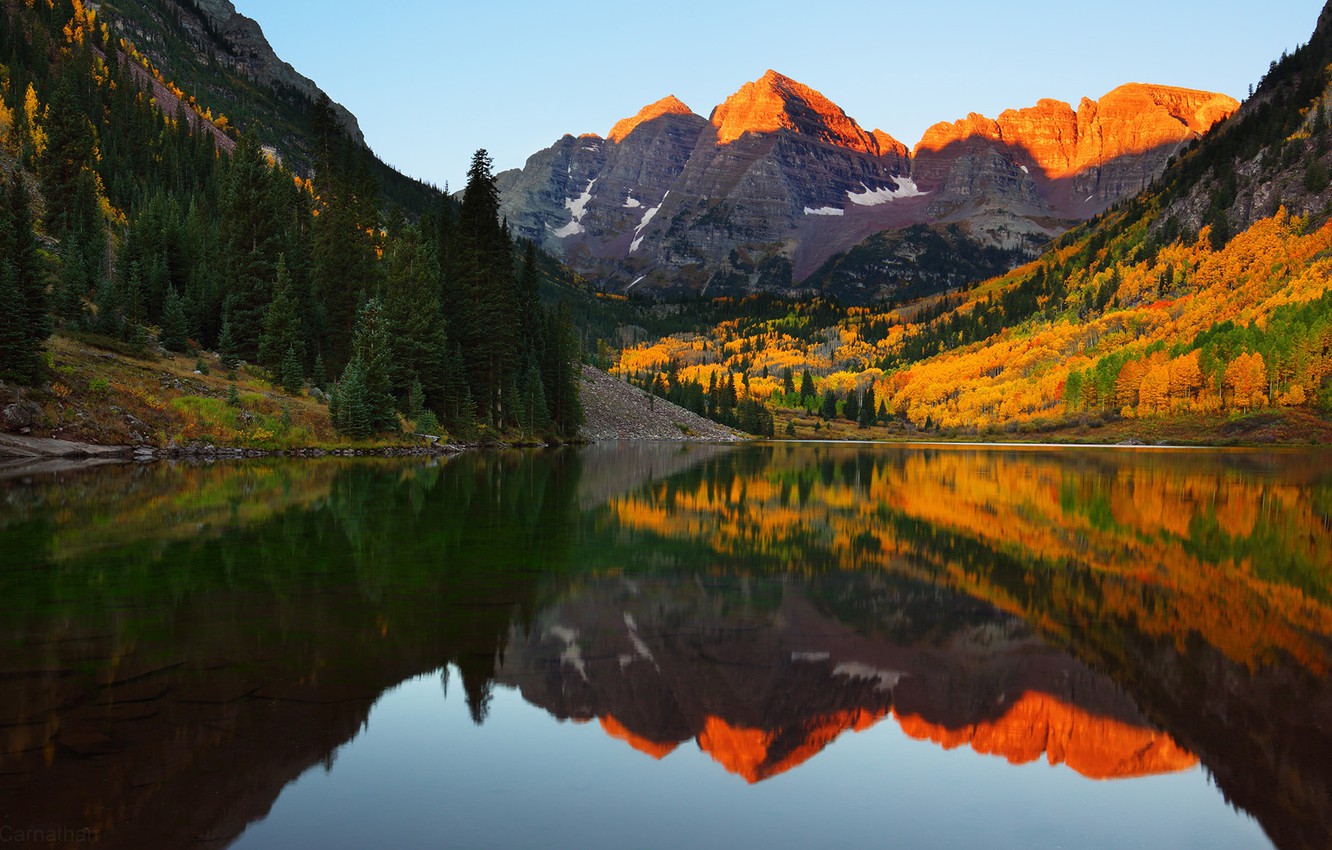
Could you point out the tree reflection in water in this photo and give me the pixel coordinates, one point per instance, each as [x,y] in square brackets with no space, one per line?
[182,642]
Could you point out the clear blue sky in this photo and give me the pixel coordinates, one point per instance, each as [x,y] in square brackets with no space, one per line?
[431,82]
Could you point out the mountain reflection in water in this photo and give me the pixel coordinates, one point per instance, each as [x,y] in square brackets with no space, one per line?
[181,643]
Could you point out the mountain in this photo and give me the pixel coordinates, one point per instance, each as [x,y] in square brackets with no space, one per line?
[762,691]
[779,179]
[1196,310]
[223,59]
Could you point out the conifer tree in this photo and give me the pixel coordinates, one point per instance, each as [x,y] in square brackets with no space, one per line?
[529,303]
[365,392]
[415,320]
[284,332]
[226,346]
[807,390]
[18,360]
[18,245]
[348,406]
[174,333]
[344,267]
[868,407]
[69,150]
[828,409]
[416,406]
[319,375]
[107,317]
[487,302]
[250,242]
[562,373]
[851,409]
[293,371]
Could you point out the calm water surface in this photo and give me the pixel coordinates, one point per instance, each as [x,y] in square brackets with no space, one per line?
[664,646]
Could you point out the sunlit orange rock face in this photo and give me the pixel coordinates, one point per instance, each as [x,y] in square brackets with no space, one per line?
[888,146]
[1039,724]
[669,105]
[746,752]
[1106,149]
[656,749]
[775,102]
[1131,119]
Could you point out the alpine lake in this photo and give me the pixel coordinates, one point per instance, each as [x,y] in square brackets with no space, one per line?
[782,645]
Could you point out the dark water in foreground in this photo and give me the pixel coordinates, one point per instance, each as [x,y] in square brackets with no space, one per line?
[665,646]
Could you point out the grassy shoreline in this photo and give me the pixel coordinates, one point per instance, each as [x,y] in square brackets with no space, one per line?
[161,403]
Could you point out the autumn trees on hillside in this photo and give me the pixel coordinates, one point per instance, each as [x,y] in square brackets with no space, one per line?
[1082,333]
[158,233]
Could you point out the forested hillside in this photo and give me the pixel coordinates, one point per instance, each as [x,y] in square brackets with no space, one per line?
[137,229]
[1195,304]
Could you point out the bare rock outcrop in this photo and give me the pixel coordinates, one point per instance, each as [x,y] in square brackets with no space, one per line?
[614,410]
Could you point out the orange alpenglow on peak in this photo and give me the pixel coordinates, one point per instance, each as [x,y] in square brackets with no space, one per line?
[616,729]
[1131,119]
[775,102]
[888,146]
[1035,724]
[745,752]
[669,105]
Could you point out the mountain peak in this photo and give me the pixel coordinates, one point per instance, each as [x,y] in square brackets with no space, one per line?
[776,102]
[1196,110]
[668,105]
[1132,119]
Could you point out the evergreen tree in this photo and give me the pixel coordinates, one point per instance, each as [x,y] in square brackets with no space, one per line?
[867,408]
[293,371]
[416,321]
[284,332]
[529,303]
[226,346]
[131,301]
[71,143]
[807,390]
[73,284]
[18,360]
[174,333]
[788,381]
[250,232]
[344,266]
[487,300]
[107,318]
[828,409]
[18,246]
[535,414]
[851,408]
[562,373]
[416,404]
[319,375]
[364,393]
[348,404]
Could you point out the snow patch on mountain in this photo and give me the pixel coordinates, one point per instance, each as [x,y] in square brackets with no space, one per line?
[906,188]
[577,208]
[647,217]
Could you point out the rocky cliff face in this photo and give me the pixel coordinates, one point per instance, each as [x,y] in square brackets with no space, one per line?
[225,38]
[779,179]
